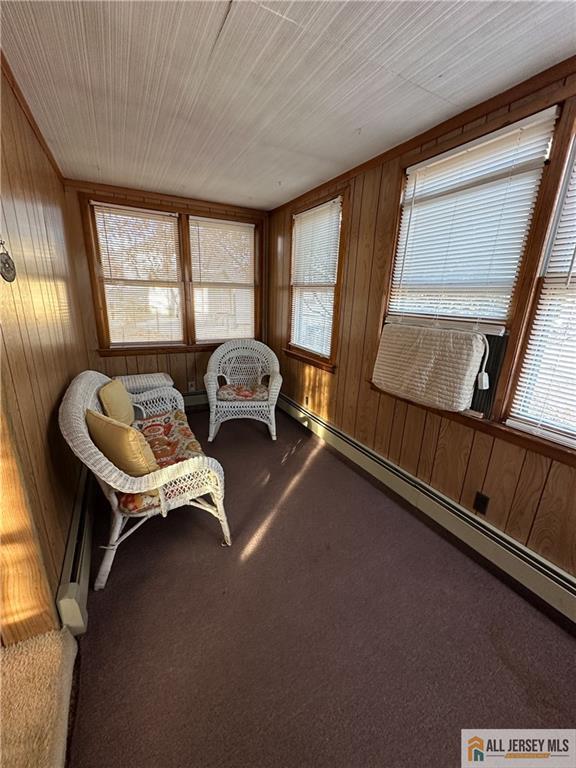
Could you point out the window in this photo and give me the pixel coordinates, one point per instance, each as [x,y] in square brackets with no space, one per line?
[171,279]
[140,260]
[222,254]
[545,400]
[465,218]
[314,275]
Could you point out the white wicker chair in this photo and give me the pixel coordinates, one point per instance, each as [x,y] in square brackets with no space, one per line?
[243,362]
[183,483]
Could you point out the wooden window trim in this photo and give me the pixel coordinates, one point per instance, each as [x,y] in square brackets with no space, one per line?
[293,350]
[528,286]
[106,349]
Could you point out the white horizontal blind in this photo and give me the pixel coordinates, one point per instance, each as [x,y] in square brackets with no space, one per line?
[223,275]
[315,249]
[141,272]
[465,218]
[545,398]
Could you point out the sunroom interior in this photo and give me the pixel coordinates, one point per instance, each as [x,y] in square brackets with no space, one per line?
[288,382]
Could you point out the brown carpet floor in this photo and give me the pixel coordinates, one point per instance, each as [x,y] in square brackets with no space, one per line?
[339,631]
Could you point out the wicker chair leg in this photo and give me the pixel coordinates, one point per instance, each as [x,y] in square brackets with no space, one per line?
[223,522]
[118,521]
[214,427]
[272,424]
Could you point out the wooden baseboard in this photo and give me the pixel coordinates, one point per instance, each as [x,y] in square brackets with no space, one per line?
[551,584]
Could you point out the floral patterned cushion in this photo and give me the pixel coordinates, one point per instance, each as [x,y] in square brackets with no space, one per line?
[171,440]
[238,392]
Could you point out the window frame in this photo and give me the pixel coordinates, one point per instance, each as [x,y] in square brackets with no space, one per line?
[524,297]
[512,420]
[293,350]
[225,213]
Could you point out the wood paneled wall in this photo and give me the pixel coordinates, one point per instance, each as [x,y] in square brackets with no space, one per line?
[186,368]
[532,492]
[43,348]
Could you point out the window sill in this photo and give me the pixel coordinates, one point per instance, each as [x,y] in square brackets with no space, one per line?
[161,349]
[498,429]
[310,359]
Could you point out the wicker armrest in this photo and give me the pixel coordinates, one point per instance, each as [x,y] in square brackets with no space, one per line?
[274,384]
[142,382]
[120,481]
[157,401]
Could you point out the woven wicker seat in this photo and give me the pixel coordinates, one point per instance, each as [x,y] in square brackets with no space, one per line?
[243,364]
[184,482]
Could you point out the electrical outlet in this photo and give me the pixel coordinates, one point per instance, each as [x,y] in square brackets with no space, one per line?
[481,503]
[191,386]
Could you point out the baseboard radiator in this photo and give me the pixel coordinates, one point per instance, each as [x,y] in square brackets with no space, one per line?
[551,584]
[72,596]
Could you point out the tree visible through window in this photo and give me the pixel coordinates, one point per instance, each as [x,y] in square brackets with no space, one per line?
[222,254]
[150,292]
[314,274]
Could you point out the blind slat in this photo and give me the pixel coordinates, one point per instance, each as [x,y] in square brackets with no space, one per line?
[223,275]
[465,218]
[315,251]
[545,398]
[140,262]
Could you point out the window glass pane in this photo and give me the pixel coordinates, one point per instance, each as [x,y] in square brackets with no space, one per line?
[465,219]
[137,245]
[221,251]
[545,397]
[312,312]
[144,314]
[223,274]
[223,312]
[316,238]
[315,252]
[140,258]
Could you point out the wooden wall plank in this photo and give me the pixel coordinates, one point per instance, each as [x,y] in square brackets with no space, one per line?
[501,480]
[428,447]
[451,459]
[398,423]
[412,438]
[383,251]
[477,467]
[177,369]
[347,299]
[384,421]
[553,534]
[528,494]
[43,347]
[27,606]
[363,274]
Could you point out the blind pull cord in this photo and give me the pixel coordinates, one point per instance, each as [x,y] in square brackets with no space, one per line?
[571,268]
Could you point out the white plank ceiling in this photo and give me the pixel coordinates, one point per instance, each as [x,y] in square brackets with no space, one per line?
[252,102]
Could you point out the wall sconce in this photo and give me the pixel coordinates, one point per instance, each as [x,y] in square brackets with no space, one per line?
[7,266]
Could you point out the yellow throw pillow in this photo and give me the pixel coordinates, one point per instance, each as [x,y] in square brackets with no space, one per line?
[124,446]
[116,402]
